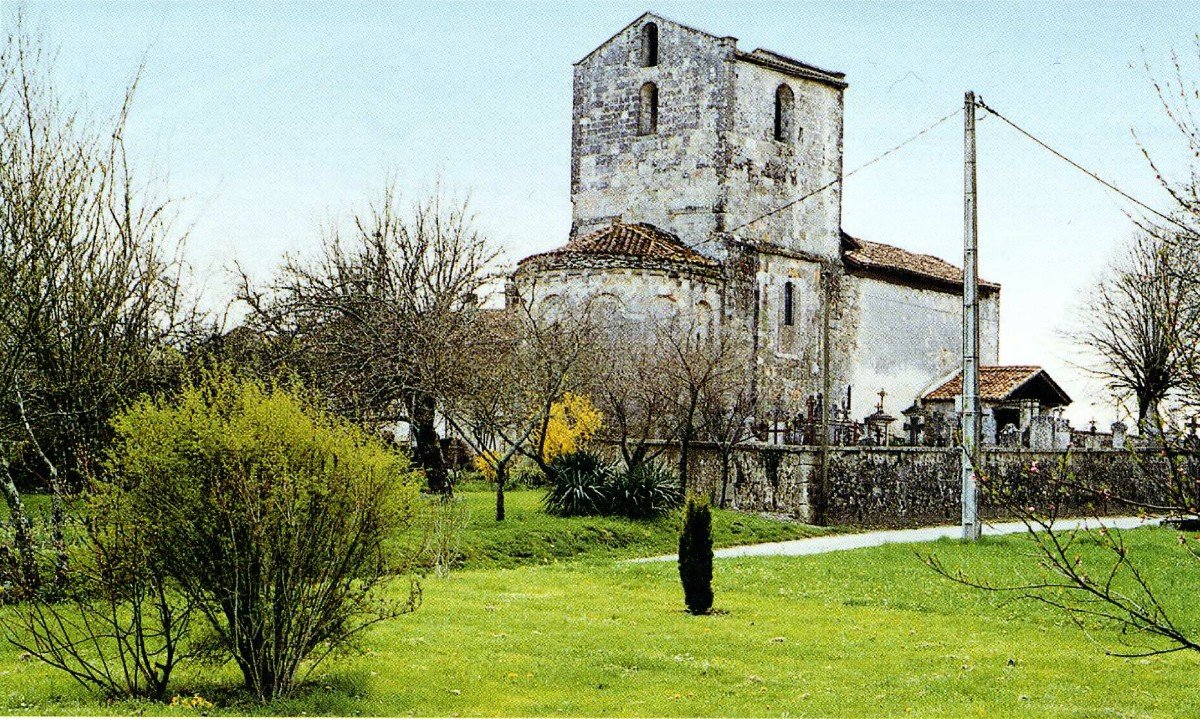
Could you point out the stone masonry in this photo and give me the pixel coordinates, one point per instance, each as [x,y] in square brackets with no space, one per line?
[736,155]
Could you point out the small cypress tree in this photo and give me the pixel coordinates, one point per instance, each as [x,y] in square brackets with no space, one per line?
[696,555]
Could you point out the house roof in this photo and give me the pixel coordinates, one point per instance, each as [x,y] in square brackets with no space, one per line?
[641,241]
[1006,383]
[879,259]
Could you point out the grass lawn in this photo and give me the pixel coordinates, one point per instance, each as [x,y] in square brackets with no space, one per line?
[862,633]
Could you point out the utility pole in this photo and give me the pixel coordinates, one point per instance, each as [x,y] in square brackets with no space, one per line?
[970,370]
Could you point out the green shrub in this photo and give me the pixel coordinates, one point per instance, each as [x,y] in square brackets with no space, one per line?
[576,494]
[270,514]
[645,492]
[583,486]
[120,625]
[580,461]
[696,555]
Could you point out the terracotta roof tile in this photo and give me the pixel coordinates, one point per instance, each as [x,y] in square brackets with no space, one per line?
[886,259]
[997,383]
[639,240]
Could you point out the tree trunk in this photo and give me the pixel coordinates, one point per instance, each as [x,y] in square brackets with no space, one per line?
[27,574]
[501,479]
[58,520]
[724,477]
[685,443]
[428,448]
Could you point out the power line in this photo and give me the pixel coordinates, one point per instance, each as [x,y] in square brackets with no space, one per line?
[1086,171]
[838,180]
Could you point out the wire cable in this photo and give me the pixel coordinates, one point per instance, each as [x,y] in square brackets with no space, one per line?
[839,180]
[1086,171]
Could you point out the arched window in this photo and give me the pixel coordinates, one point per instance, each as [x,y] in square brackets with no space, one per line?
[789,312]
[649,45]
[784,110]
[648,110]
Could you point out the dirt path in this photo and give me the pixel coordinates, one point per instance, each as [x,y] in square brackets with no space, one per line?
[842,542]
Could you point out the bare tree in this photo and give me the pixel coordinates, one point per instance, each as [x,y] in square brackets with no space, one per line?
[700,366]
[92,310]
[502,408]
[674,379]
[1142,318]
[730,403]
[1177,92]
[489,400]
[630,389]
[385,320]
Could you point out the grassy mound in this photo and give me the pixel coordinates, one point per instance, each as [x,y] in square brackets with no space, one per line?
[530,536]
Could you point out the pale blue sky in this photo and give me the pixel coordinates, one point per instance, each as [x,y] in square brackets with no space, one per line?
[271,117]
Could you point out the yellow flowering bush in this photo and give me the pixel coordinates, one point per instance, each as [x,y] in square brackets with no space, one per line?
[485,464]
[573,421]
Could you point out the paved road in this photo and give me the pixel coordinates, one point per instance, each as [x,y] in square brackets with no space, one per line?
[842,542]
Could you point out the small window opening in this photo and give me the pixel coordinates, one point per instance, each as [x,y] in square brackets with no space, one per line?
[648,110]
[649,45]
[784,110]
[788,307]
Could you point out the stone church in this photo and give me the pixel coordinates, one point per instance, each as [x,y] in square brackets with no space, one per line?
[688,156]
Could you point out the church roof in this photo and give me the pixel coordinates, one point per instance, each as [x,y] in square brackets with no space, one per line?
[793,67]
[639,241]
[878,258]
[1006,383]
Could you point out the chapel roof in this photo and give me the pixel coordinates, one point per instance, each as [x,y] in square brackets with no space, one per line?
[888,260]
[1006,383]
[638,241]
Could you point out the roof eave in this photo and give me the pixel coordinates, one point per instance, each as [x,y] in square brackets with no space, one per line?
[710,267]
[1064,398]
[869,269]
[800,71]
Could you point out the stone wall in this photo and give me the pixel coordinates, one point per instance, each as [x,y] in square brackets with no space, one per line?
[627,288]
[790,355]
[765,174]
[916,486]
[670,178]
[713,163]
